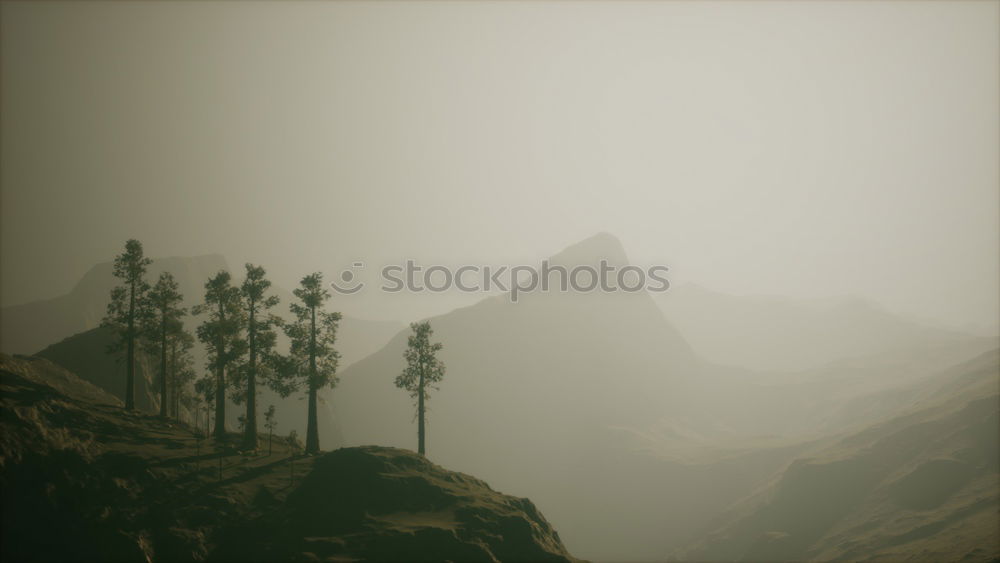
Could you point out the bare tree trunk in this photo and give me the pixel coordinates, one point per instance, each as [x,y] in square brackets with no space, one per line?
[163,366]
[250,438]
[312,428]
[175,387]
[421,449]
[220,403]
[220,384]
[130,355]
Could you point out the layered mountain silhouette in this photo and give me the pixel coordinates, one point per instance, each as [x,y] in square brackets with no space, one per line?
[85,354]
[783,334]
[27,328]
[631,440]
[548,379]
[919,484]
[602,388]
[597,359]
[84,480]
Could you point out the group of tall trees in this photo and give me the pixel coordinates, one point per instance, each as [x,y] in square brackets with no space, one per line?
[240,335]
[150,318]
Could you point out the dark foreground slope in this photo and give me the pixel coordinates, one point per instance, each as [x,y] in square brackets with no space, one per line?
[83,480]
[390,504]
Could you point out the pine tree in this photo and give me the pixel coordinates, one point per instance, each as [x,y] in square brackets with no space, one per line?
[313,358]
[128,310]
[423,370]
[221,335]
[270,422]
[204,390]
[164,302]
[181,369]
[260,338]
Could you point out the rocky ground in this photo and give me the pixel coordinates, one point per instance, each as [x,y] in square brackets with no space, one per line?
[84,480]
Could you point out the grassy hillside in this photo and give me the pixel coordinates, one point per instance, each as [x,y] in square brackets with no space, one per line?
[84,480]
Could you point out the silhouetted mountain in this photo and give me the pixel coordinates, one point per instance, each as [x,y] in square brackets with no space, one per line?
[85,480]
[86,355]
[777,333]
[920,484]
[734,405]
[600,388]
[27,328]
[598,359]
[545,379]
[635,443]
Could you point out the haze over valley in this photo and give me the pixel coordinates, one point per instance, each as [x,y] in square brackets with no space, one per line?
[198,360]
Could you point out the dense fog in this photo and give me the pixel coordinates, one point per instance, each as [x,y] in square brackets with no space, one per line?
[817,378]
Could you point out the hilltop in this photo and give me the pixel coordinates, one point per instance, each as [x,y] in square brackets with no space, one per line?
[84,480]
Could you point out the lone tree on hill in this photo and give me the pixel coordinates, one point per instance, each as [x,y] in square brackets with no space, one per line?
[313,357]
[164,302]
[128,310]
[221,335]
[423,370]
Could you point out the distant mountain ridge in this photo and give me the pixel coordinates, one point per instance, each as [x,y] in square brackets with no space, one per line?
[27,328]
[921,484]
[85,354]
[555,370]
[776,333]
[605,388]
[590,383]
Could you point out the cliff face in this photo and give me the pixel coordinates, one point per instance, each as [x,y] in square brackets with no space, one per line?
[84,480]
[389,504]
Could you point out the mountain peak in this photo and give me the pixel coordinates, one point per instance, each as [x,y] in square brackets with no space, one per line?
[97,278]
[29,327]
[591,250]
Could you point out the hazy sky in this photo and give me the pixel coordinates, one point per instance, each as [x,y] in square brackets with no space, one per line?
[804,149]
